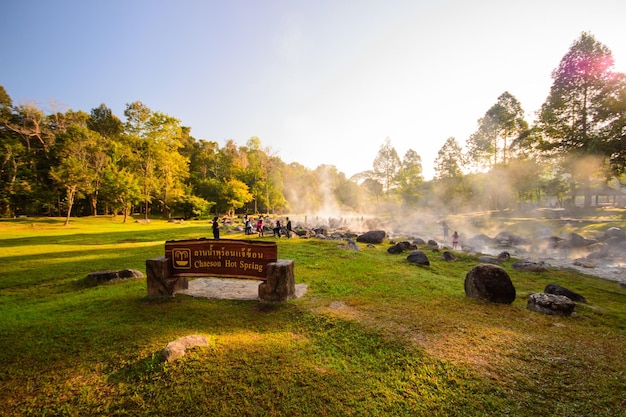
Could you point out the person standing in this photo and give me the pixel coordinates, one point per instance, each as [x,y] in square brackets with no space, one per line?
[288,228]
[259,226]
[455,239]
[277,228]
[216,228]
[445,228]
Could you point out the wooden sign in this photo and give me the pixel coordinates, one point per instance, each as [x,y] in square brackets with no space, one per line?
[221,257]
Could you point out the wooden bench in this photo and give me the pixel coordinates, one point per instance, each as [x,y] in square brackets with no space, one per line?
[248,259]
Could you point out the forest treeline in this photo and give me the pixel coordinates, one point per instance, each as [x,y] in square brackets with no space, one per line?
[94,163]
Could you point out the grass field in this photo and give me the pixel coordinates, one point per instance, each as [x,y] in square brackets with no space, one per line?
[373,336]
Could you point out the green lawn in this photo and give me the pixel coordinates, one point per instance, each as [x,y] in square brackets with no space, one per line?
[373,336]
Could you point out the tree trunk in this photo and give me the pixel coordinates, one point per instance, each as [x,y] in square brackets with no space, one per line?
[71,192]
[587,191]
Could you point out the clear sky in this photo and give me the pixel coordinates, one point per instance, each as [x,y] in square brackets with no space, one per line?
[319,82]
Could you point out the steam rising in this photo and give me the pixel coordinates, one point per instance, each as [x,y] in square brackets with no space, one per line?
[530,231]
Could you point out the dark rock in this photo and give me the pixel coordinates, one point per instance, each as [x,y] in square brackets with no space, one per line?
[555,242]
[373,236]
[530,266]
[418,257]
[481,240]
[448,256]
[504,256]
[577,241]
[106,276]
[489,260]
[615,233]
[351,245]
[558,290]
[400,247]
[419,241]
[613,241]
[551,304]
[509,239]
[489,283]
[584,264]
[130,273]
[433,243]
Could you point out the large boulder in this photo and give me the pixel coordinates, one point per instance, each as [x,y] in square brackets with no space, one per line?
[550,304]
[558,290]
[489,283]
[418,257]
[373,236]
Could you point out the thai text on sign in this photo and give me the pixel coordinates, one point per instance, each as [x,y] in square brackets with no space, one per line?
[221,257]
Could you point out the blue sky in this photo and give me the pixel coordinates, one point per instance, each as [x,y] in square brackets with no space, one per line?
[320,82]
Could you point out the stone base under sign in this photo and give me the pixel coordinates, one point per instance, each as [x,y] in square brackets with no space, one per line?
[160,282]
[278,286]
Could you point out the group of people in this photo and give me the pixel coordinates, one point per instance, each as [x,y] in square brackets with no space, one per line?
[455,235]
[278,229]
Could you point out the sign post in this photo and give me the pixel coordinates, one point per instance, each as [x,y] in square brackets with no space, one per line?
[221,257]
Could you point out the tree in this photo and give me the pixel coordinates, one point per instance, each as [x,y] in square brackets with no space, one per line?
[373,187]
[410,178]
[491,143]
[102,120]
[573,119]
[142,149]
[614,116]
[121,188]
[236,195]
[449,160]
[386,166]
[171,167]
[74,171]
[449,185]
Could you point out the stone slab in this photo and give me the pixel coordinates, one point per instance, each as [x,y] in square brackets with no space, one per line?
[229,289]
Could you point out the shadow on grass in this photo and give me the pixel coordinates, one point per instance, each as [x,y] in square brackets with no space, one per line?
[140,370]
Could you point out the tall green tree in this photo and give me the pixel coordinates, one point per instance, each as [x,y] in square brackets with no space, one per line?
[75,172]
[410,178]
[102,120]
[575,119]
[143,149]
[387,164]
[503,122]
[236,194]
[171,168]
[449,160]
[449,184]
